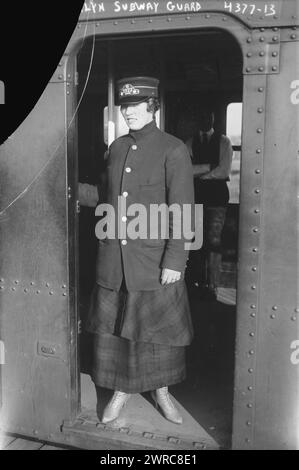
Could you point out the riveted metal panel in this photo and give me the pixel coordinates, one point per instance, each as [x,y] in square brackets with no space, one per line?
[34,270]
[266,393]
[253,126]
[277,374]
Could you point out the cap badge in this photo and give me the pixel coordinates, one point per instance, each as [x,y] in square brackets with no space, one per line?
[129,90]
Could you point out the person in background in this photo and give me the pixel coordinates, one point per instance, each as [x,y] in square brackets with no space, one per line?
[139,313]
[211,154]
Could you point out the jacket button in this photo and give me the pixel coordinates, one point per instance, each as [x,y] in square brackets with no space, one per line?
[124,242]
[134,147]
[125,194]
[128,169]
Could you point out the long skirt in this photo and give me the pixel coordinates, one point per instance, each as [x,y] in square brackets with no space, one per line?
[127,365]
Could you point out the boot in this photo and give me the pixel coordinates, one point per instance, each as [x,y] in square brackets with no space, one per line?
[162,399]
[113,409]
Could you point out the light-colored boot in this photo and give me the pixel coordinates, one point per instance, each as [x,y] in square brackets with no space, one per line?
[162,399]
[113,409]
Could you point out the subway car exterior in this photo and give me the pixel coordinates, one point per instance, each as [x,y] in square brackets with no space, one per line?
[39,320]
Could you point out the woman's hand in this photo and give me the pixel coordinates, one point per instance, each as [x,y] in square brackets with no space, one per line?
[169,276]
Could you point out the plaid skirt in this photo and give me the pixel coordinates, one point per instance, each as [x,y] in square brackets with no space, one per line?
[160,316]
[131,367]
[139,337]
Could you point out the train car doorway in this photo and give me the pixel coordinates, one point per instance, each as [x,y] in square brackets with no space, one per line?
[197,70]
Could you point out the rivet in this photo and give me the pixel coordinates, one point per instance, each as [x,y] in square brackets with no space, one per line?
[16,282]
[252,306]
[272,316]
[254,268]
[60,64]
[293,36]
[275,29]
[64,286]
[257,191]
[262,30]
[274,307]
[255,250]
[133,21]
[294,17]
[294,28]
[249,40]
[261,69]
[258,151]
[97,25]
[67,92]
[224,18]
[13,288]
[253,315]
[250,388]
[208,16]
[79,26]
[249,405]
[253,287]
[275,17]
[248,423]
[274,68]
[261,89]
[294,318]
[257,171]
[150,21]
[256,211]
[51,292]
[259,130]
[274,54]
[262,53]
[247,440]
[26,290]
[115,23]
[32,283]
[251,334]
[35,432]
[262,39]
[169,20]
[64,294]
[255,230]
[251,352]
[60,77]
[248,69]
[275,38]
[47,284]
[260,110]
[296,310]
[38,291]
[249,54]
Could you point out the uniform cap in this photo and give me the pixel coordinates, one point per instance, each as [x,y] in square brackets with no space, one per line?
[133,90]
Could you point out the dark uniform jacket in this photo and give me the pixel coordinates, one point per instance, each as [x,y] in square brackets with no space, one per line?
[149,167]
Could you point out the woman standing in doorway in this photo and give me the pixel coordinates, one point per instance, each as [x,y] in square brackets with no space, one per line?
[140,312]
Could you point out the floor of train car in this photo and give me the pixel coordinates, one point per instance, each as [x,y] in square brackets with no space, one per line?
[205,398]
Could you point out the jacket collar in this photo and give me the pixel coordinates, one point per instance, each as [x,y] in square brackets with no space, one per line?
[146,130]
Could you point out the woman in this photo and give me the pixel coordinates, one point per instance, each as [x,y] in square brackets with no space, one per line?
[140,313]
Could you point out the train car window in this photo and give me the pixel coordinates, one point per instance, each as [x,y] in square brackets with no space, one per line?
[234,132]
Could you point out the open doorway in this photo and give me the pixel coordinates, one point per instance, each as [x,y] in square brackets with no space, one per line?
[195,70]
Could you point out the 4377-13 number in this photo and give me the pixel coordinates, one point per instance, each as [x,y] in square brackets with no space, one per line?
[267,9]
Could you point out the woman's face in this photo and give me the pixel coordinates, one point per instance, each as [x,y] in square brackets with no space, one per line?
[136,115]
